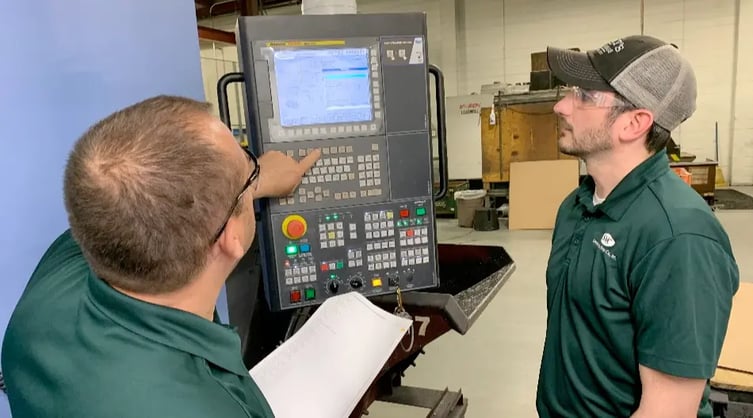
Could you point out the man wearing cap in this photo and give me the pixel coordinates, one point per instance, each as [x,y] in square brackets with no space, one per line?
[641,275]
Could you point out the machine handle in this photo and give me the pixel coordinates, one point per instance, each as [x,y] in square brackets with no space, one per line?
[441,130]
[222,100]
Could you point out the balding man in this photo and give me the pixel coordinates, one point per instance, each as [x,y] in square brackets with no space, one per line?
[118,318]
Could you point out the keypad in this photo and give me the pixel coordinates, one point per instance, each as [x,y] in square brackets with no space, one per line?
[382,260]
[332,234]
[300,274]
[341,174]
[355,258]
[370,173]
[381,252]
[413,250]
[414,236]
[414,256]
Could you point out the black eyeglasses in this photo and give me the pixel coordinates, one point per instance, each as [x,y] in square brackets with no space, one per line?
[253,176]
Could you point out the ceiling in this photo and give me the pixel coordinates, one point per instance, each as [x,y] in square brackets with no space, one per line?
[213,8]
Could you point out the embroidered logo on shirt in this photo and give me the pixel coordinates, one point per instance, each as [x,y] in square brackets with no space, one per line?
[607,240]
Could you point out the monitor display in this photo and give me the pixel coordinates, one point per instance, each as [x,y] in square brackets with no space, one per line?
[323,86]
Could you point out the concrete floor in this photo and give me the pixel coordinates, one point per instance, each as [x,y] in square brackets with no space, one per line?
[496,363]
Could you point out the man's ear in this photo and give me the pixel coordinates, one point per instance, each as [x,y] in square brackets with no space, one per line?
[638,125]
[230,242]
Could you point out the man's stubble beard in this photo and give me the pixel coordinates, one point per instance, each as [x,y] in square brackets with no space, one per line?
[587,143]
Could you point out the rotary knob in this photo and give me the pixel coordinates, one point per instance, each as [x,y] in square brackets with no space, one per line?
[333,286]
[294,227]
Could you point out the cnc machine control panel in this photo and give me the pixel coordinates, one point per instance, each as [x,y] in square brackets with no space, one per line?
[356,88]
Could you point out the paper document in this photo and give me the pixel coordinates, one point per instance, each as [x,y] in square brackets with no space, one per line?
[324,369]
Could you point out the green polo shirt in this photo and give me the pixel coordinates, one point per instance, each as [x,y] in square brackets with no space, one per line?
[647,277]
[75,347]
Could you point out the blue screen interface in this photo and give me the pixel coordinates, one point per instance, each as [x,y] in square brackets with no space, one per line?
[323,86]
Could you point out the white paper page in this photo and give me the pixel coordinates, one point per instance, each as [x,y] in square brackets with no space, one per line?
[327,366]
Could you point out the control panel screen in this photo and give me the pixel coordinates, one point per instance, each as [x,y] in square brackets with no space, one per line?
[323,86]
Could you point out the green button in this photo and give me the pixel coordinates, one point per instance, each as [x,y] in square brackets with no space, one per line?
[310,294]
[419,222]
[335,217]
[420,211]
[291,250]
[333,276]
[340,265]
[327,218]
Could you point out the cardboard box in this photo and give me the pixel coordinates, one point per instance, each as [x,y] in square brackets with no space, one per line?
[737,351]
[537,188]
[735,368]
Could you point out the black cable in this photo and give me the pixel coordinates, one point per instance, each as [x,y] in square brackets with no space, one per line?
[2,383]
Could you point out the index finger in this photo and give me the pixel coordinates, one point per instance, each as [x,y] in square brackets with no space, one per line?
[309,160]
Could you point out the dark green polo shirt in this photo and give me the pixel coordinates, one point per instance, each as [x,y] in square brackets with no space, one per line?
[75,347]
[647,277]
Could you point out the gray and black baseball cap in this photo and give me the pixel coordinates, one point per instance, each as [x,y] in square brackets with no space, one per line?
[648,72]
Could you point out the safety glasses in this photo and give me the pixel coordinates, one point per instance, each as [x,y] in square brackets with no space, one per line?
[590,99]
[253,176]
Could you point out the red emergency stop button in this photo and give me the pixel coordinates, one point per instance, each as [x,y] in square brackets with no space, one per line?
[404,213]
[295,296]
[294,227]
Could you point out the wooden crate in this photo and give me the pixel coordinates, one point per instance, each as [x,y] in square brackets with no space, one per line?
[526,129]
[539,62]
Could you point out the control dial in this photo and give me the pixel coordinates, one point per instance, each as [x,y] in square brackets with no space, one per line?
[294,227]
[333,287]
[356,282]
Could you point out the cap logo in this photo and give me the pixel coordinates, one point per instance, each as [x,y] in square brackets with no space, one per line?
[612,47]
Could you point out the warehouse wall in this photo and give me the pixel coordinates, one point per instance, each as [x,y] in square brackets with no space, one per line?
[742,125]
[478,42]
